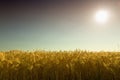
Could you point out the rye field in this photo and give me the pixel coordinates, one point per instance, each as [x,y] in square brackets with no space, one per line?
[59,65]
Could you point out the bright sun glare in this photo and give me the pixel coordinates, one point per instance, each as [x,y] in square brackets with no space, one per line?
[102,16]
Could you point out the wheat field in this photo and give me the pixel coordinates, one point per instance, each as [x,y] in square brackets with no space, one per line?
[59,65]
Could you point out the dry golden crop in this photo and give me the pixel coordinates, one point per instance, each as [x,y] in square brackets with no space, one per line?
[59,65]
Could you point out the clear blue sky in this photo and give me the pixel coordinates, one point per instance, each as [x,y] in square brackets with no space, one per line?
[60,25]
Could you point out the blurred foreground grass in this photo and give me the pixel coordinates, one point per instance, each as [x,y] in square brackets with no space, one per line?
[59,65]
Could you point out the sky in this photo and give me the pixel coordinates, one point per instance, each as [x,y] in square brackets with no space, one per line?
[59,25]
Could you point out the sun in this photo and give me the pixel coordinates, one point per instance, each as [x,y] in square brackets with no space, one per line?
[102,16]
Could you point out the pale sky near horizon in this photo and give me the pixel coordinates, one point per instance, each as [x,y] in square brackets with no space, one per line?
[59,25]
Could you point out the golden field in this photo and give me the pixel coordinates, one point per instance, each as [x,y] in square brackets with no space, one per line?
[59,65]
